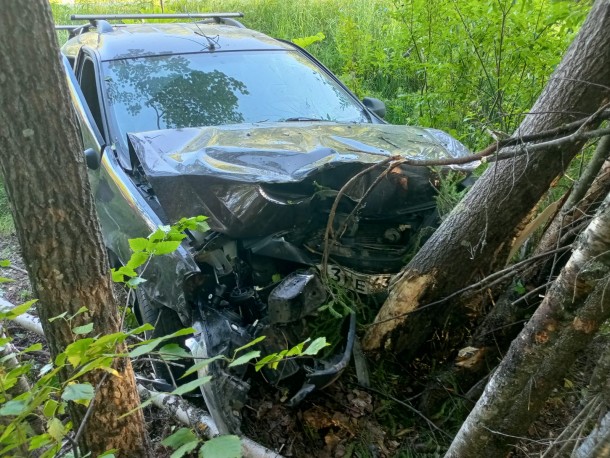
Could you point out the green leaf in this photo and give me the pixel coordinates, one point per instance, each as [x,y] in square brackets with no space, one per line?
[149,345]
[178,438]
[39,441]
[60,316]
[314,347]
[56,429]
[6,280]
[263,362]
[249,344]
[78,392]
[243,359]
[117,276]
[228,446]
[159,234]
[202,227]
[83,309]
[181,332]
[297,350]
[172,352]
[85,329]
[138,244]
[201,364]
[60,360]
[135,281]
[187,387]
[145,347]
[18,371]
[278,359]
[140,329]
[127,271]
[160,248]
[50,407]
[13,313]
[5,263]
[103,363]
[108,453]
[76,350]
[137,259]
[14,407]
[184,449]
[34,347]
[110,340]
[306,41]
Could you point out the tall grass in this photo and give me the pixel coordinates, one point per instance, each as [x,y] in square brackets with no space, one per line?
[285,19]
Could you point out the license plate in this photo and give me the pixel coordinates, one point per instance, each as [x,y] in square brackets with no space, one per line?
[356,281]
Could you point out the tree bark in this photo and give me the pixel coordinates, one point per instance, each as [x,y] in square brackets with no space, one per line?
[45,177]
[597,443]
[501,324]
[476,236]
[505,320]
[537,360]
[599,390]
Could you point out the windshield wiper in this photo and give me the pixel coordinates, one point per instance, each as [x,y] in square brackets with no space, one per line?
[304,118]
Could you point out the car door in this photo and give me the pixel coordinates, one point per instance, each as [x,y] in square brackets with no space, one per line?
[122,210]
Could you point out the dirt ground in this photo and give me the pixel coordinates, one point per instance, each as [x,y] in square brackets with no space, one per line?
[344,420]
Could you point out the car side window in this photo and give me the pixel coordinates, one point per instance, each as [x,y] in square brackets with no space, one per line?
[87,81]
[92,138]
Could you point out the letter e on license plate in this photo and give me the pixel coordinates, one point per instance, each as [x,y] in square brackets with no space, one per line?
[356,281]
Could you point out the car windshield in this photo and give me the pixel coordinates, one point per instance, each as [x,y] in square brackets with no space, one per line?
[209,89]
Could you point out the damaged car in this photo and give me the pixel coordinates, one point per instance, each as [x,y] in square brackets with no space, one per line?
[207,117]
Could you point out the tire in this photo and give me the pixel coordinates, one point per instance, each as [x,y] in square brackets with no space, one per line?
[165,321]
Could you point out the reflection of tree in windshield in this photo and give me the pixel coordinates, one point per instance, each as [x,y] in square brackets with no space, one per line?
[175,94]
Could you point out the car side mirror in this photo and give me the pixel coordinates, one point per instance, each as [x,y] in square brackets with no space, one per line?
[375,105]
[92,158]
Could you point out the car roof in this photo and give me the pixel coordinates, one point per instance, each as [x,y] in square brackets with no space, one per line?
[152,39]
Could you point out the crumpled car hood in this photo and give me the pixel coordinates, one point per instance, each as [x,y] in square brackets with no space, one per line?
[224,172]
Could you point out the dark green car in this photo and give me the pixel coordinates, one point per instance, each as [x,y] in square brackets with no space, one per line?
[211,118]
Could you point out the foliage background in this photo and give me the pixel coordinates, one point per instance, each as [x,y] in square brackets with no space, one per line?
[464,66]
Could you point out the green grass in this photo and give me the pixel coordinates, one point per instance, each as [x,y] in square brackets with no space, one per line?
[285,19]
[6,220]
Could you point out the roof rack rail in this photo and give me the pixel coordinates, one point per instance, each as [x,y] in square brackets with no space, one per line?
[219,18]
[92,17]
[68,27]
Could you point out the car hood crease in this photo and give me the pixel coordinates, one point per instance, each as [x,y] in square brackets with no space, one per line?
[227,173]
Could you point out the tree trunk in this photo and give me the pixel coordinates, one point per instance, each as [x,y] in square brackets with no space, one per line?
[537,360]
[599,390]
[44,173]
[497,328]
[476,236]
[504,321]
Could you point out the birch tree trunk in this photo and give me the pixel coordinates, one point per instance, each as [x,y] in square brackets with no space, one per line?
[539,357]
[42,163]
[476,236]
